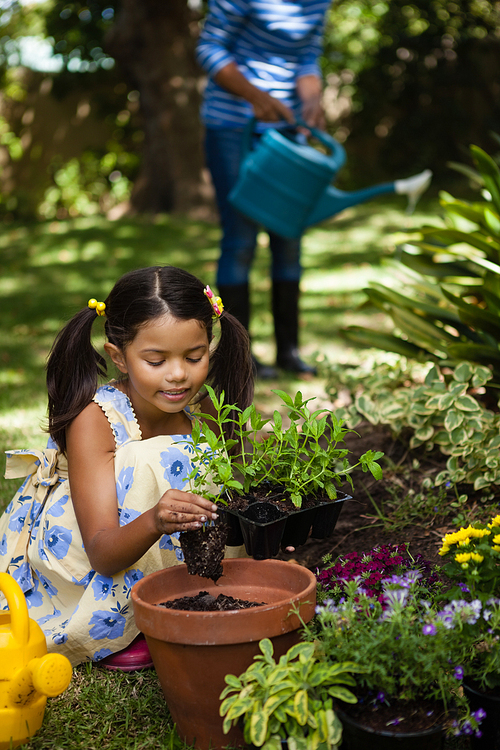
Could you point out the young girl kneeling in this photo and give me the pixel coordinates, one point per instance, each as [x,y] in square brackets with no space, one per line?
[105,503]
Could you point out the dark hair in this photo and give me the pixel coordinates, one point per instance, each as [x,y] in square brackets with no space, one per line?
[74,366]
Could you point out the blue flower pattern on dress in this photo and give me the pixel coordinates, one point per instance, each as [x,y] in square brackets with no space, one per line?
[126,515]
[102,586]
[18,518]
[57,541]
[124,483]
[84,614]
[57,509]
[131,576]
[106,624]
[177,468]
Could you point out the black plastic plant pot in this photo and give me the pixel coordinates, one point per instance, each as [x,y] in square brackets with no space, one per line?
[327,515]
[265,529]
[234,534]
[262,525]
[297,527]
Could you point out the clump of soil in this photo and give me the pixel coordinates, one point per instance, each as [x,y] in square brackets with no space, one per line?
[205,602]
[204,549]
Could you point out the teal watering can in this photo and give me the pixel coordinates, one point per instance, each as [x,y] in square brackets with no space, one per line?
[285,186]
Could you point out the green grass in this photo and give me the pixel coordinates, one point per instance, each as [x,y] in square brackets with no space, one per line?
[50,270]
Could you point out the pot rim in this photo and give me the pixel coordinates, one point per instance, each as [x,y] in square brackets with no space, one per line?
[204,628]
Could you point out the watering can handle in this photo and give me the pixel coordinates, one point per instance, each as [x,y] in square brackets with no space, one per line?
[338,151]
[18,608]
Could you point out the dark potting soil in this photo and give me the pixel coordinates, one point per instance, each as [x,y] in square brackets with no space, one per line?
[403,717]
[204,550]
[205,602]
[276,496]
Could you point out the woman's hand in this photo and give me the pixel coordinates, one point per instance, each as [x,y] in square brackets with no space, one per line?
[265,106]
[309,89]
[182,511]
[268,109]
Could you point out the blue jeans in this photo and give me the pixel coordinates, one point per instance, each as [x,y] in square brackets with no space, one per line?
[223,149]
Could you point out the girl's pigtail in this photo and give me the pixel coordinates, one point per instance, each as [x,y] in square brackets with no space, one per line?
[231,366]
[73,370]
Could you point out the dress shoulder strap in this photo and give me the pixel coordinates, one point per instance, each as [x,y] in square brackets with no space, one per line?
[119,413]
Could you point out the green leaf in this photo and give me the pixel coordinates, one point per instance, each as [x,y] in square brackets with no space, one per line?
[301,707]
[267,649]
[258,727]
[304,650]
[342,694]
[467,403]
[453,419]
[227,703]
[284,397]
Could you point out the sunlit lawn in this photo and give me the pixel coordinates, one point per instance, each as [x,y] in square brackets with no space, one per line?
[50,270]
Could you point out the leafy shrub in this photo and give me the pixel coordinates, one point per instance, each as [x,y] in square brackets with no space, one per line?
[448,309]
[442,412]
[291,699]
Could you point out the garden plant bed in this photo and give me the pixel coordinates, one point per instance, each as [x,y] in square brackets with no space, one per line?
[406,718]
[360,527]
[206,602]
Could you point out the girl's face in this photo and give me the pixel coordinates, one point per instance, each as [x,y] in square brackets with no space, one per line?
[166,365]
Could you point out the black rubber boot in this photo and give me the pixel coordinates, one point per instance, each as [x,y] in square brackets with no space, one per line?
[286,327]
[236,300]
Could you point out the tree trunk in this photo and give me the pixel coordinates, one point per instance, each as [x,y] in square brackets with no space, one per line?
[154,43]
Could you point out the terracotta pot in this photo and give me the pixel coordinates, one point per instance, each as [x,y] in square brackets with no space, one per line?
[356,736]
[490,726]
[193,651]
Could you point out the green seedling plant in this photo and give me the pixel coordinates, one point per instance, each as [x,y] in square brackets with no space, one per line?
[304,458]
[290,700]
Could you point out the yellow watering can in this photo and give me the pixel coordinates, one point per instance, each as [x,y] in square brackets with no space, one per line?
[28,674]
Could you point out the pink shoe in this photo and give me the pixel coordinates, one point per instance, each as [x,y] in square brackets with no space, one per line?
[130,659]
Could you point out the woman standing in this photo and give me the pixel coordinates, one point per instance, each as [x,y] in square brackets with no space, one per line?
[262,60]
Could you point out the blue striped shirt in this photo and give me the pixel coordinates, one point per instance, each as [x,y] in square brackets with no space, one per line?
[273,42]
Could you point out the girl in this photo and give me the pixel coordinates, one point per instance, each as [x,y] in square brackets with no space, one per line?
[105,503]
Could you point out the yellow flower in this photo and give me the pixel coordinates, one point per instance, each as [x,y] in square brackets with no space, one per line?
[494,521]
[479,532]
[464,542]
[444,550]
[463,557]
[496,539]
[477,557]
[496,548]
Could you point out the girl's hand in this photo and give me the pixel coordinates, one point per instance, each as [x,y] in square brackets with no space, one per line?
[181,511]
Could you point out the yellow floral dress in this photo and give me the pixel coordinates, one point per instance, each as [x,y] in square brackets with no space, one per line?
[86,615]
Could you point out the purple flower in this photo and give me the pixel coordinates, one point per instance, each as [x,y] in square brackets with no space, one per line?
[429,629]
[479,715]
[458,673]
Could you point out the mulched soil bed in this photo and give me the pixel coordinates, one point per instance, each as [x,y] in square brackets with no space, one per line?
[358,529]
[404,718]
[205,602]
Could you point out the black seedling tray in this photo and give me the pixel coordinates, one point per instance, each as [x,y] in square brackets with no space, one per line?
[264,529]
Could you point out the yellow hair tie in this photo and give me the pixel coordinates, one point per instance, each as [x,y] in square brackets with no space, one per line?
[99,307]
[216,302]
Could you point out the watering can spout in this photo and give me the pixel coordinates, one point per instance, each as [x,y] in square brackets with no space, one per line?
[333,200]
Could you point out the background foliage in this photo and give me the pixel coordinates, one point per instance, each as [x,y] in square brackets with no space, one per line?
[394,73]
